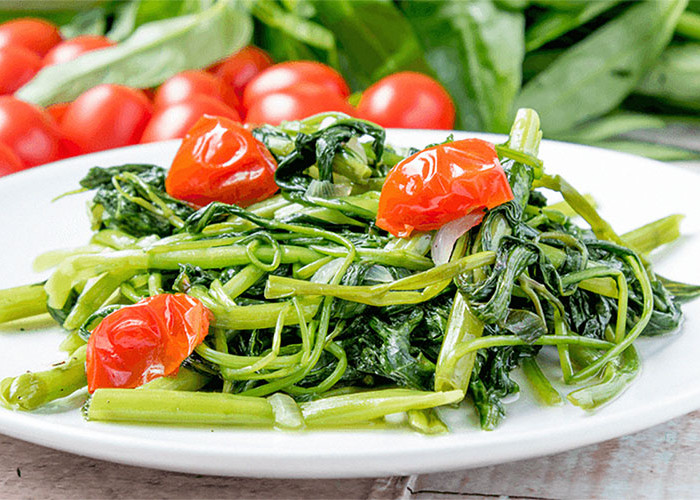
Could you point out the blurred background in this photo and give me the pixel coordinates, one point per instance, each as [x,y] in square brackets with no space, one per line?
[81,76]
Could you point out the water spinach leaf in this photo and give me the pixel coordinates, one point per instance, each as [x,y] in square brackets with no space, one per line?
[152,54]
[596,74]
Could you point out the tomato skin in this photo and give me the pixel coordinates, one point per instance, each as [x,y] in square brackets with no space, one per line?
[17,66]
[29,131]
[187,84]
[290,75]
[75,47]
[37,35]
[9,161]
[440,184]
[238,70]
[219,160]
[58,110]
[407,100]
[144,341]
[173,122]
[296,103]
[105,117]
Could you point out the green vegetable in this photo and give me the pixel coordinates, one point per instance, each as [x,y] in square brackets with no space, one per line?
[595,75]
[319,318]
[154,52]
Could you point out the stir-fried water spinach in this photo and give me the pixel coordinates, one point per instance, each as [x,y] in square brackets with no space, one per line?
[320,318]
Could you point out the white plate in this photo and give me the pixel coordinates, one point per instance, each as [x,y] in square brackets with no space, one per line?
[630,190]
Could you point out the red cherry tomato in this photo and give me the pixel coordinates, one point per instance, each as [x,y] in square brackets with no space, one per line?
[238,70]
[70,49]
[295,103]
[441,184]
[17,66]
[183,86]
[9,161]
[219,160]
[58,110]
[36,35]
[407,100]
[173,122]
[289,75]
[29,131]
[144,341]
[107,116]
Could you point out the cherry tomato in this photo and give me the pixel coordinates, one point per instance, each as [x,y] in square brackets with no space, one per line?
[58,110]
[107,116]
[407,100]
[9,161]
[29,131]
[36,35]
[183,86]
[144,341]
[219,160]
[295,103]
[17,66]
[70,49]
[440,184]
[238,70]
[173,122]
[289,75]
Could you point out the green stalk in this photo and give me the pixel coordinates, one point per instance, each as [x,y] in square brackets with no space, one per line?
[655,234]
[184,380]
[31,390]
[616,377]
[360,407]
[541,386]
[22,302]
[261,315]
[93,297]
[689,25]
[426,421]
[462,326]
[177,407]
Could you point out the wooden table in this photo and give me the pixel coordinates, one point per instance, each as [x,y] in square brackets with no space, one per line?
[661,462]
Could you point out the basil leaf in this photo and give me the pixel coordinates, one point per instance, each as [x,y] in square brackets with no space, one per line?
[155,52]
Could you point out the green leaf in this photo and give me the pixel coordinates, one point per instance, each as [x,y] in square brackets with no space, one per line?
[477,50]
[553,24]
[675,78]
[89,22]
[596,74]
[610,126]
[374,37]
[155,52]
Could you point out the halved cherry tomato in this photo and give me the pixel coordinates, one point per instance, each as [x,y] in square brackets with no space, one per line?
[238,70]
[70,49]
[441,184]
[17,66]
[219,160]
[295,103]
[9,161]
[107,116]
[144,341]
[34,34]
[173,122]
[29,131]
[407,100]
[289,75]
[183,86]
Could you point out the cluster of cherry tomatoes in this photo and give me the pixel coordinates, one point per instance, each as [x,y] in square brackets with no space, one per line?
[246,87]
